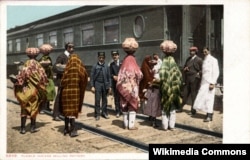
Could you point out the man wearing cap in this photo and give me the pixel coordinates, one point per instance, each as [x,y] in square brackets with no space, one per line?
[58,68]
[192,76]
[114,69]
[100,81]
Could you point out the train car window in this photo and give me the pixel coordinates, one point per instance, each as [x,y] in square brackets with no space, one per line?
[39,40]
[111,30]
[10,46]
[68,35]
[18,45]
[88,34]
[27,42]
[53,39]
[139,26]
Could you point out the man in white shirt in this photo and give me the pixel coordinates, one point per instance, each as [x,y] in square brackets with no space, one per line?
[205,98]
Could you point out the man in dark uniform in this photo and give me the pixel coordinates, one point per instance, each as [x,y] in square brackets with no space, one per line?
[59,66]
[114,69]
[100,81]
[192,76]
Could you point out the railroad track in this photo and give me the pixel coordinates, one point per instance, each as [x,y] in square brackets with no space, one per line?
[146,135]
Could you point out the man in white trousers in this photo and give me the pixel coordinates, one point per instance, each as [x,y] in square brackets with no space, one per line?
[205,98]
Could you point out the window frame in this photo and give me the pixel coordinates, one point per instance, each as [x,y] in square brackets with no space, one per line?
[39,39]
[68,31]
[142,28]
[18,45]
[53,34]
[85,28]
[10,46]
[108,24]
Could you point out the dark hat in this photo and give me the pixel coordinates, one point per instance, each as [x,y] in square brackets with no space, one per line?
[114,52]
[101,54]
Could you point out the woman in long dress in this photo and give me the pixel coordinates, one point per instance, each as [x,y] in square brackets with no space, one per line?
[149,90]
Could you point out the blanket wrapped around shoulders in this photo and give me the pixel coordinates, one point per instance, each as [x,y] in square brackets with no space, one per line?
[73,85]
[170,80]
[30,86]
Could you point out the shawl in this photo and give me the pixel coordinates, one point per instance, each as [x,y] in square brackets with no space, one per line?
[129,77]
[73,85]
[30,86]
[148,75]
[46,62]
[170,79]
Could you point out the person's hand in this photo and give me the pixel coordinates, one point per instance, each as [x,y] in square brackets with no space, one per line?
[186,69]
[150,84]
[115,78]
[211,87]
[198,75]
[93,89]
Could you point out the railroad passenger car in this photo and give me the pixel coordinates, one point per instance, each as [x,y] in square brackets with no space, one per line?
[104,28]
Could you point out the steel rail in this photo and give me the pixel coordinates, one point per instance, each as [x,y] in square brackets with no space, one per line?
[128,141]
[140,145]
[177,125]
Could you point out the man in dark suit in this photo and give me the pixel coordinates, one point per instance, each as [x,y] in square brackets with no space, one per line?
[58,68]
[100,81]
[192,76]
[114,69]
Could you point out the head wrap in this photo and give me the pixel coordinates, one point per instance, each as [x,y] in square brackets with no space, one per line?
[130,45]
[168,46]
[32,52]
[46,48]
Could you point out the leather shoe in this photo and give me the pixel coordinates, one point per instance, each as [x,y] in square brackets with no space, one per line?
[117,115]
[208,119]
[193,112]
[178,110]
[33,129]
[97,118]
[66,131]
[73,133]
[42,112]
[22,130]
[56,119]
[105,116]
